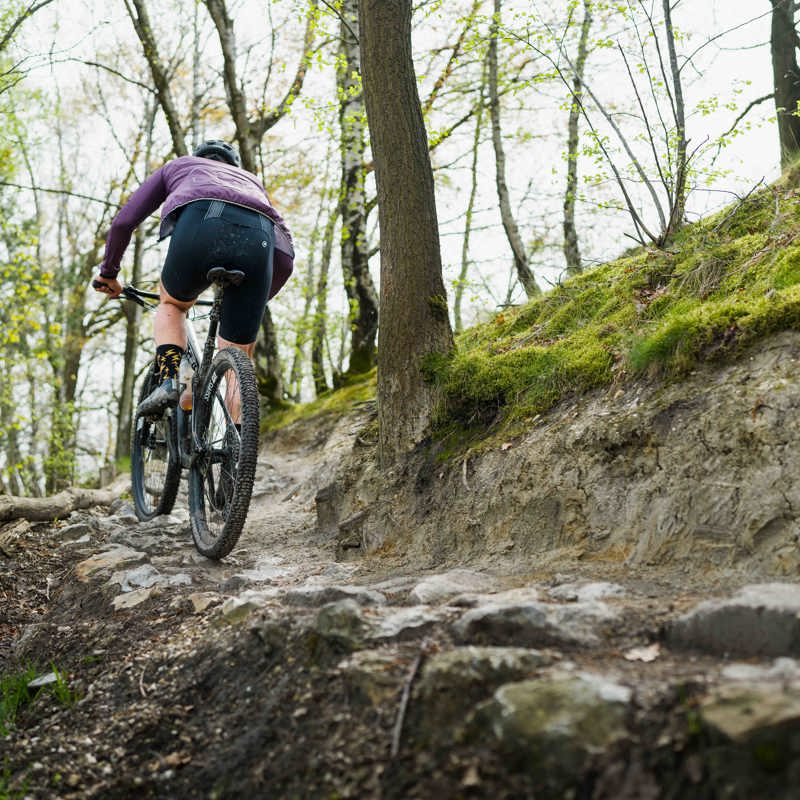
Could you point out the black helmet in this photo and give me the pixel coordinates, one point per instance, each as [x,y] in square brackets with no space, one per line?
[218,150]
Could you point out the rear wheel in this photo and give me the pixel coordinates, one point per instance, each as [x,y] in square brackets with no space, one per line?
[224,465]
[155,469]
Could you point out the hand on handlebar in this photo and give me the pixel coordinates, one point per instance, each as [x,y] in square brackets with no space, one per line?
[110,286]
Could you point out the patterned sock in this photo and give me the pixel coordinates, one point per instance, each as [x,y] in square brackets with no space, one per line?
[168,359]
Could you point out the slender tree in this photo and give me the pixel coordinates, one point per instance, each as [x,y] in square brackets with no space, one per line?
[521,265]
[414,318]
[358,284]
[249,133]
[786,78]
[140,17]
[572,253]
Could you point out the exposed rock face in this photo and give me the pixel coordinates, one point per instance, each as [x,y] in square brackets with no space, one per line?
[705,469]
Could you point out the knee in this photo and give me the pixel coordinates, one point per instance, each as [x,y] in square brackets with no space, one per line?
[171,304]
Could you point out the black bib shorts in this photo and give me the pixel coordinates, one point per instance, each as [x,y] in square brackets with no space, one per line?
[212,233]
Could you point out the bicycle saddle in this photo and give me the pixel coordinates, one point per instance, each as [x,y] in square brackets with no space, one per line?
[225,277]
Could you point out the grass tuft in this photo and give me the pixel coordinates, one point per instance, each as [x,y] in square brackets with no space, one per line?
[16,693]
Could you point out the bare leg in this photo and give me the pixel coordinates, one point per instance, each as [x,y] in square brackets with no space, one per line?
[169,325]
[232,399]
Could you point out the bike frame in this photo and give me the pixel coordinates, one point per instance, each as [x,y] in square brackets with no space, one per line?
[187,449]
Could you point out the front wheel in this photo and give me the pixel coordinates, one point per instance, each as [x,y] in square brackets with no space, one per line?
[155,469]
[224,463]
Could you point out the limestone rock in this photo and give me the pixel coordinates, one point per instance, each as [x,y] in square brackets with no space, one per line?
[238,609]
[586,591]
[759,620]
[145,576]
[341,623]
[784,671]
[452,682]
[552,727]
[446,585]
[407,623]
[373,676]
[316,596]
[133,598]
[742,712]
[75,531]
[534,624]
[203,600]
[107,559]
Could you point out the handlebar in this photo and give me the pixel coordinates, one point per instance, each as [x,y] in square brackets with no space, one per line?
[139,297]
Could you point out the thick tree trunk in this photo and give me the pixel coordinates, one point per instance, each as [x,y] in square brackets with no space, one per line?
[354,250]
[414,316]
[572,253]
[510,226]
[786,77]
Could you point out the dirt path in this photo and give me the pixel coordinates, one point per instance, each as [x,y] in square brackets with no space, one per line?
[286,673]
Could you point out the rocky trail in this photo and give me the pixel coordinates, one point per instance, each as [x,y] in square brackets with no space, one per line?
[299,669]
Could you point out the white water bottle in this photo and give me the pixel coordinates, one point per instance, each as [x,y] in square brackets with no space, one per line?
[185,377]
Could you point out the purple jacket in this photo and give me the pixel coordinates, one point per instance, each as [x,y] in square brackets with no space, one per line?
[182,181]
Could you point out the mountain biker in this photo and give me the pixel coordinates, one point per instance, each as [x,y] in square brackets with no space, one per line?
[217,215]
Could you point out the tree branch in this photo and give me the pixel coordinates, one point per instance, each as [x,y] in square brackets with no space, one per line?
[28,12]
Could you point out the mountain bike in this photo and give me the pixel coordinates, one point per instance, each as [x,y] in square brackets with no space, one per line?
[219,453]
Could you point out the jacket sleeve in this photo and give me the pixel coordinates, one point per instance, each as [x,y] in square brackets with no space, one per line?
[143,202]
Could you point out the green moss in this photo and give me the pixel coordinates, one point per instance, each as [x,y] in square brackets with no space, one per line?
[787,268]
[727,281]
[359,389]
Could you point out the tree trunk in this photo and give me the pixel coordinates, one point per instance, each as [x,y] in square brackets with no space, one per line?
[521,265]
[248,136]
[354,250]
[318,332]
[267,363]
[678,210]
[473,192]
[233,90]
[786,77]
[572,253]
[133,315]
[414,318]
[141,23]
[56,506]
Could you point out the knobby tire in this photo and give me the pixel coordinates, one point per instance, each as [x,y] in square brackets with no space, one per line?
[222,475]
[155,470]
